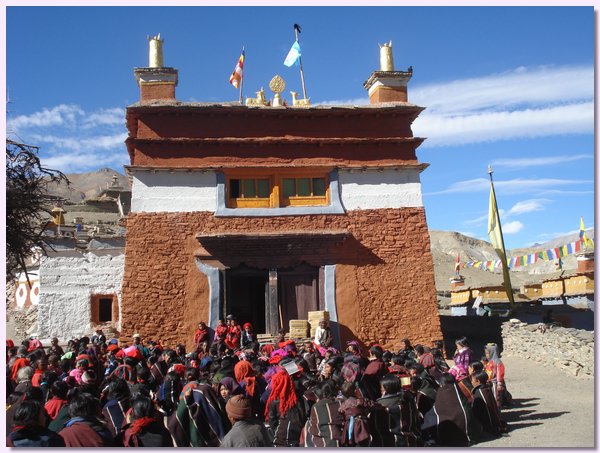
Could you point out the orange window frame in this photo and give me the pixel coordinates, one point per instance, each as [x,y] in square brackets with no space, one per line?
[304,200]
[251,202]
[276,198]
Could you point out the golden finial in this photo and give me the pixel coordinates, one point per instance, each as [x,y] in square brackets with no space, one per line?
[156,52]
[277,85]
[386,58]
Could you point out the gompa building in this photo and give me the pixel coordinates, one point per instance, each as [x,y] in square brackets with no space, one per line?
[269,211]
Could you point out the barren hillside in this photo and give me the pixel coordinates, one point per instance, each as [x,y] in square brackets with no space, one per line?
[87,185]
[445,246]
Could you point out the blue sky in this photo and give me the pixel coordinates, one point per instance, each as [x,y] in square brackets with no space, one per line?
[508,86]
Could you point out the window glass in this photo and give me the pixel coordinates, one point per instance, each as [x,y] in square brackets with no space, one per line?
[289,187]
[234,188]
[304,187]
[319,187]
[264,189]
[249,189]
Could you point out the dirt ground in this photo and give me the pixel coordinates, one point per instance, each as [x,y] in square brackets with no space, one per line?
[550,408]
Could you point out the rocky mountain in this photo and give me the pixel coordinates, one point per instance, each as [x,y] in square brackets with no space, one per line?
[445,246]
[87,185]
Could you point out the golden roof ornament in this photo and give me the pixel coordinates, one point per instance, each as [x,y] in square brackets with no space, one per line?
[386,58]
[299,102]
[259,100]
[277,85]
[156,52]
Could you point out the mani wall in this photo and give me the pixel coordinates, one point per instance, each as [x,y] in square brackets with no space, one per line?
[68,284]
[571,350]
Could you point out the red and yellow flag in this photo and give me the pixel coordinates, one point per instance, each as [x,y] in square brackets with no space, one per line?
[238,73]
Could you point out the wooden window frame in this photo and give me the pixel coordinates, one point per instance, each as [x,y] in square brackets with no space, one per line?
[95,308]
[254,202]
[310,200]
[276,199]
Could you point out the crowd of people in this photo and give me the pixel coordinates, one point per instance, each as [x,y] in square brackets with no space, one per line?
[232,391]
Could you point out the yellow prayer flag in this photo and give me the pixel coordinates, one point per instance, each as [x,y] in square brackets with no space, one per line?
[495,234]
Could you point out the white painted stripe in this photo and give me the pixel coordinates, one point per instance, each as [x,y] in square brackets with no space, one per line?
[195,191]
[178,191]
[380,189]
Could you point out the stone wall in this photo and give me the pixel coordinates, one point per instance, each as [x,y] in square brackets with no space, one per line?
[384,272]
[67,284]
[571,350]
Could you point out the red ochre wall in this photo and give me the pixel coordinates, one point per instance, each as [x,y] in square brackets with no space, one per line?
[389,296]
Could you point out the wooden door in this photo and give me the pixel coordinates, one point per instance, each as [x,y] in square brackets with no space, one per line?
[298,291]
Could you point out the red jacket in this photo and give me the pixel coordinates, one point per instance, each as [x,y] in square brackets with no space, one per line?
[200,335]
[54,405]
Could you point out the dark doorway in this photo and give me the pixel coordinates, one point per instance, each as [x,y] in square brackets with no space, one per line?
[105,309]
[298,291]
[245,295]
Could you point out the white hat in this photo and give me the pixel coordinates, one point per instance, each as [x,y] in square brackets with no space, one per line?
[136,335]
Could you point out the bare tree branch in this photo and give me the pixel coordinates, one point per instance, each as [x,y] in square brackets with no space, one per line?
[27,198]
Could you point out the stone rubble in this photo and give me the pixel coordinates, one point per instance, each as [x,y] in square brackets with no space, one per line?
[571,350]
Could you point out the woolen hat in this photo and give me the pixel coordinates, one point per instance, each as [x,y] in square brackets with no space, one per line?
[239,407]
[89,377]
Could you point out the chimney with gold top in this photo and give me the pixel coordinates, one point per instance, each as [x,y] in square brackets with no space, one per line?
[388,85]
[156,82]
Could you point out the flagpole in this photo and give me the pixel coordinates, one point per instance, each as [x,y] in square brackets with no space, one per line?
[296,30]
[242,81]
[506,275]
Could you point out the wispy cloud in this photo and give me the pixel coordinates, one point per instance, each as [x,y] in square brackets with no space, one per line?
[80,161]
[565,192]
[525,206]
[112,117]
[519,208]
[518,185]
[521,103]
[442,130]
[512,227]
[512,90]
[61,115]
[78,144]
[481,219]
[72,139]
[527,162]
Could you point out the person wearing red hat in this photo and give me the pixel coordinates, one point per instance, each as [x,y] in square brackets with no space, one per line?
[284,411]
[201,338]
[251,384]
[234,334]
[247,335]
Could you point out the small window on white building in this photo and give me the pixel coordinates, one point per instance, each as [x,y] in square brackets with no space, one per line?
[104,308]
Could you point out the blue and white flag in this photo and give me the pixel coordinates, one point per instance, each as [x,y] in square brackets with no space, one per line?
[293,56]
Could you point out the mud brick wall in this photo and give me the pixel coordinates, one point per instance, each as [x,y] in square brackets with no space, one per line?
[384,273]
